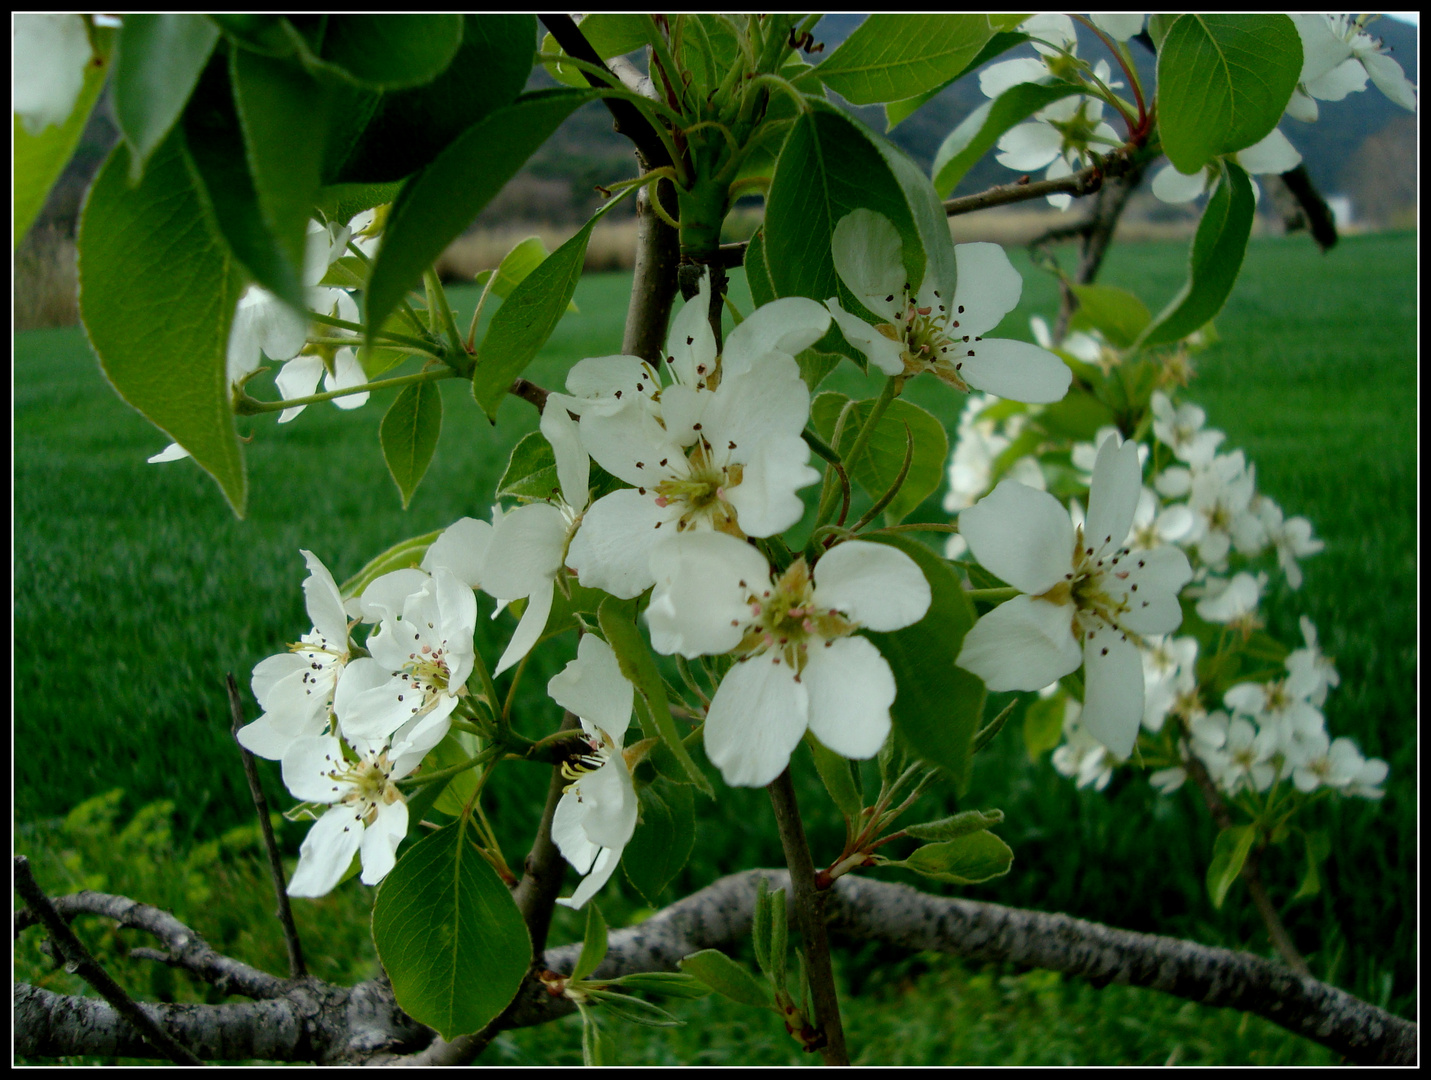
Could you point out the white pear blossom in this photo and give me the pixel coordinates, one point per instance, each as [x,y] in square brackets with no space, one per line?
[295,688]
[1282,711]
[1337,58]
[528,546]
[1080,756]
[799,664]
[597,813]
[1232,602]
[933,327]
[368,813]
[421,655]
[719,448]
[50,55]
[1181,430]
[1088,597]
[1169,676]
[1272,155]
[1313,673]
[1290,538]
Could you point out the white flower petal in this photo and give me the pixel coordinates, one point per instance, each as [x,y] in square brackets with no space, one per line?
[1022,535]
[885,353]
[525,552]
[462,548]
[327,852]
[1029,146]
[1113,495]
[765,500]
[850,688]
[988,289]
[601,872]
[573,464]
[612,548]
[380,841]
[1172,186]
[1390,79]
[325,603]
[306,765]
[869,257]
[529,629]
[1016,370]
[691,344]
[593,688]
[1348,77]
[755,721]
[50,54]
[630,442]
[1274,154]
[787,326]
[698,607]
[299,378]
[1023,644]
[172,452]
[608,800]
[1112,690]
[1120,25]
[568,834]
[996,78]
[878,586]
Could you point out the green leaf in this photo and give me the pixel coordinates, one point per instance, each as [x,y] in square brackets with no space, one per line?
[39,159]
[1158,27]
[157,292]
[939,706]
[1223,83]
[456,748]
[284,114]
[515,266]
[898,111]
[1214,262]
[409,435]
[982,128]
[663,841]
[1116,313]
[270,35]
[835,774]
[403,554]
[972,858]
[527,318]
[343,202]
[593,944]
[618,625]
[633,1010]
[1078,416]
[157,62]
[389,52]
[961,824]
[1043,725]
[609,33]
[830,165]
[436,205]
[1317,848]
[890,57]
[597,1048]
[391,135]
[727,978]
[670,983]
[757,273]
[531,470]
[879,465]
[449,934]
[214,137]
[1229,852]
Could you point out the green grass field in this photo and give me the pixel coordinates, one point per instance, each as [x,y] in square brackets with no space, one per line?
[136,589]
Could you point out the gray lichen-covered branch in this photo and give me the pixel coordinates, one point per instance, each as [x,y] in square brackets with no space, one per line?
[313,1021]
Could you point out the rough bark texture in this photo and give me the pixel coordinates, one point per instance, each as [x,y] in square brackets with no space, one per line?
[313,1021]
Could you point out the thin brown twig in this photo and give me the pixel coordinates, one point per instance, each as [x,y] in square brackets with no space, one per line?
[79,960]
[296,967]
[809,905]
[529,391]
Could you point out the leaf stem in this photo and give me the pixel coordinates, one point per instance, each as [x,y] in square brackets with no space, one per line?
[250,406]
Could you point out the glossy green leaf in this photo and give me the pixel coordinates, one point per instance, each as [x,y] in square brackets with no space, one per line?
[514,268]
[670,983]
[391,135]
[449,934]
[982,128]
[39,159]
[270,35]
[389,52]
[879,465]
[527,318]
[593,943]
[1229,853]
[1223,83]
[214,137]
[609,33]
[456,748]
[1158,27]
[972,858]
[831,165]
[1214,262]
[757,273]
[343,202]
[939,706]
[835,774]
[1043,725]
[618,626]
[157,292]
[897,111]
[961,824]
[157,62]
[409,435]
[1115,313]
[531,470]
[727,978]
[664,839]
[436,205]
[284,114]
[891,57]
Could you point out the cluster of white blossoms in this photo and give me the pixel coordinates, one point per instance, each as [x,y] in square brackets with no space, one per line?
[1112,607]
[1338,57]
[348,721]
[1062,136]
